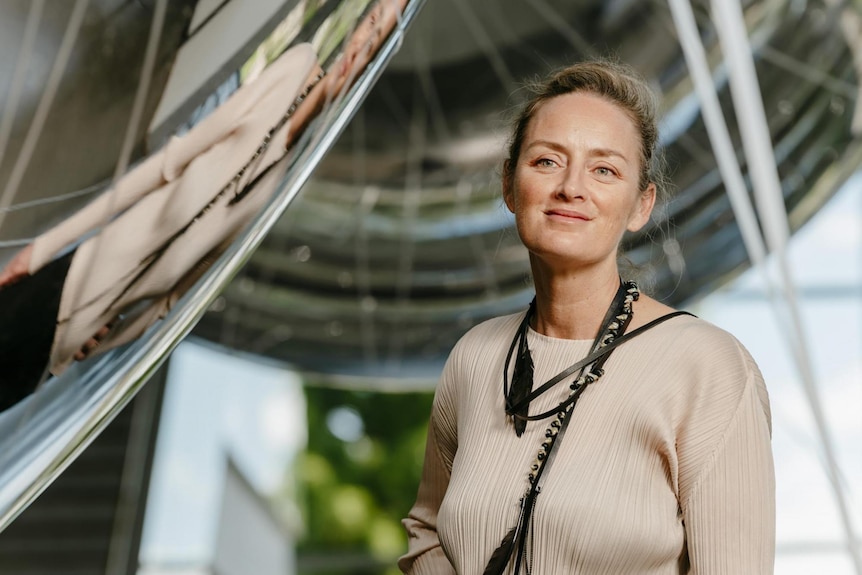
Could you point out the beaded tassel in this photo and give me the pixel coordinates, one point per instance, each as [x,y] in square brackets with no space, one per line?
[522,385]
[516,539]
[590,377]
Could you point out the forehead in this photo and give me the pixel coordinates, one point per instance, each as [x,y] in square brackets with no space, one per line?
[585,118]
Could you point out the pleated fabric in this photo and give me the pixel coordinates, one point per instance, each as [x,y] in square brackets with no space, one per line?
[666,467]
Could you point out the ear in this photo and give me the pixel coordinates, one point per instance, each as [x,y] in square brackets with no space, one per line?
[643,208]
[508,192]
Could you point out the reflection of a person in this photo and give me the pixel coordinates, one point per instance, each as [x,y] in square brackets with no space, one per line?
[664,463]
[360,48]
[165,221]
[147,251]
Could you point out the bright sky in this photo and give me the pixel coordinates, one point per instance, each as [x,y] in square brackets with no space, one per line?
[218,405]
[827,253]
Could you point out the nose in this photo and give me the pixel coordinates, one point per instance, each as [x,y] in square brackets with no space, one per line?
[571,185]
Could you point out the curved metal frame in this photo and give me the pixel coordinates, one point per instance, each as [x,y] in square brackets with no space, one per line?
[40,448]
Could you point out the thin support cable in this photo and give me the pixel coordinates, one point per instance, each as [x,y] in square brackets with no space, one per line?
[152,50]
[20,75]
[751,117]
[16,243]
[720,138]
[487,46]
[757,144]
[429,88]
[56,199]
[713,118]
[562,26]
[809,73]
[850,22]
[44,107]
[366,304]
[409,217]
[463,207]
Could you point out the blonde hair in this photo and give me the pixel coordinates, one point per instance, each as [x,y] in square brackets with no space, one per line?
[619,84]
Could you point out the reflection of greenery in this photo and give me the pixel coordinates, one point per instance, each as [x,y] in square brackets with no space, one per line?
[311,8]
[336,28]
[327,39]
[355,492]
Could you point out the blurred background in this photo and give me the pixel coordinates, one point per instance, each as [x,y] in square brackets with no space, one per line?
[285,434]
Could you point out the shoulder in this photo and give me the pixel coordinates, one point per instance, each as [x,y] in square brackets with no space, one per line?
[487,336]
[281,78]
[686,337]
[707,345]
[688,330]
[702,351]
[706,367]
[292,61]
[298,59]
[474,354]
[501,327]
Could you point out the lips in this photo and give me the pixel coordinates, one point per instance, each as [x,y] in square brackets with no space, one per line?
[567,215]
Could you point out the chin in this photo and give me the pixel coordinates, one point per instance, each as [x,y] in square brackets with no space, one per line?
[567,259]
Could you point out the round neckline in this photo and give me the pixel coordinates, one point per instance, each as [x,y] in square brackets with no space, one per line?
[550,339]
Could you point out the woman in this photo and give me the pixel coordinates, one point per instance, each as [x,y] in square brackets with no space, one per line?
[656,459]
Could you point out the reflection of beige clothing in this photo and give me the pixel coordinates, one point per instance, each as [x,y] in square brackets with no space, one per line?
[666,461]
[159,197]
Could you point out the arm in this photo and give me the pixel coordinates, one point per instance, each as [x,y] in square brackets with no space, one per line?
[424,552]
[18,267]
[424,555]
[133,327]
[169,163]
[729,505]
[287,74]
[142,179]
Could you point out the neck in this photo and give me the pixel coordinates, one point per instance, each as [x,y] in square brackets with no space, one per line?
[572,304]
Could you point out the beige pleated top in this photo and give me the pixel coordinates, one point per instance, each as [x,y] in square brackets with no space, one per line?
[666,467]
[109,276]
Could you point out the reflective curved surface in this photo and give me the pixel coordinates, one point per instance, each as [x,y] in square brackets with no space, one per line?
[401,243]
[42,433]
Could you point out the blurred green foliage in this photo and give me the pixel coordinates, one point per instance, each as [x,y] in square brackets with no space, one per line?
[358,478]
[327,39]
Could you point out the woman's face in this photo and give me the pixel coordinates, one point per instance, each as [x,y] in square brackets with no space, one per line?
[574,191]
[370,34]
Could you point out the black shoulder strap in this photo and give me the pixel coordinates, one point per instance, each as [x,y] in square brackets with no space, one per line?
[591,358]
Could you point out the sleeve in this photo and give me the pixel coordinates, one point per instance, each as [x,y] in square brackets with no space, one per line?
[143,178]
[425,556]
[134,327]
[171,160]
[727,491]
[287,74]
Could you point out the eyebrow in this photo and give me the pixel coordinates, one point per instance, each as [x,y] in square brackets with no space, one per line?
[593,152]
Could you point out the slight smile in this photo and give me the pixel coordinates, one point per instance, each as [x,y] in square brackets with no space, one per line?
[567,215]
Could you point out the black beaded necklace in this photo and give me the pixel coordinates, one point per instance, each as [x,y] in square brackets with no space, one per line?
[520,395]
[517,400]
